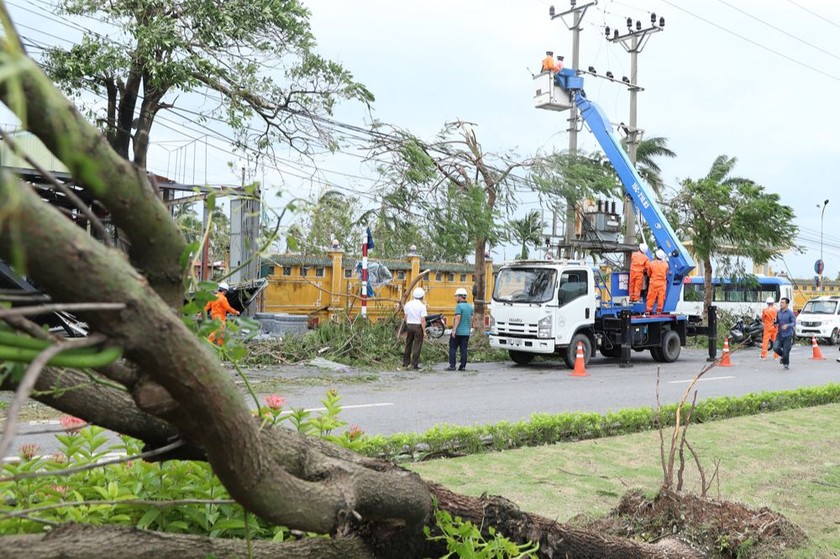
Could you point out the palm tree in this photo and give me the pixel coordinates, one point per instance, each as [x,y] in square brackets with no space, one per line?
[526,231]
[647,152]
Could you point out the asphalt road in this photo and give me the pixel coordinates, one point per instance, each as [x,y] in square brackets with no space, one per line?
[415,401]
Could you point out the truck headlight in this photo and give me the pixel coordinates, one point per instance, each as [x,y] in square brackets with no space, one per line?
[491,324]
[544,328]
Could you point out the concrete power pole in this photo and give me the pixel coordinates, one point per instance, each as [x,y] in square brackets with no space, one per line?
[572,18]
[633,42]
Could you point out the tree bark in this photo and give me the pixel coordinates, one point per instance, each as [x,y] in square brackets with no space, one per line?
[75,541]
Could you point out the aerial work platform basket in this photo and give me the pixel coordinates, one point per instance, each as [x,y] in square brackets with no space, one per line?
[549,95]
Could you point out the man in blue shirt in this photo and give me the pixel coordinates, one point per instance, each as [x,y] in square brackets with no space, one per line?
[786,321]
[460,337]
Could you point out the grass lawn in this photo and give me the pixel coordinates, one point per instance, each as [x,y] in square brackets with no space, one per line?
[787,461]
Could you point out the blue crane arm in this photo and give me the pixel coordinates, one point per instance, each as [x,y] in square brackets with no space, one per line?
[680,262]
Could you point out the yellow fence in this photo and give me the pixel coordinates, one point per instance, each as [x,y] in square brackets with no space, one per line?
[329,287]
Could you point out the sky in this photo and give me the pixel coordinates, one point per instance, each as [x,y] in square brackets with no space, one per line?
[754,79]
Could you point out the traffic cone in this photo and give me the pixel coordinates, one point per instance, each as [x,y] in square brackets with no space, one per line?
[817,354]
[580,363]
[724,360]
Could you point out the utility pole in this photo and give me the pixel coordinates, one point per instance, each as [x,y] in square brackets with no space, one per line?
[572,18]
[633,42]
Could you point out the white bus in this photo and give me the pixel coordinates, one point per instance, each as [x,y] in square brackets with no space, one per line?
[739,297]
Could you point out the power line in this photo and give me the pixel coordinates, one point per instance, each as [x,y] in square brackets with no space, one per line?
[825,19]
[780,30]
[759,45]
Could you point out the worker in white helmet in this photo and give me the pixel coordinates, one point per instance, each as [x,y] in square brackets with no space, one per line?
[415,321]
[219,309]
[639,266]
[658,283]
[460,337]
[768,319]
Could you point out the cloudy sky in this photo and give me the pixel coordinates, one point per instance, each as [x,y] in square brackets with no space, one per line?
[754,79]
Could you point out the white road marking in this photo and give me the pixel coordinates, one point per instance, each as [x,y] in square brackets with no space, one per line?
[352,407]
[701,380]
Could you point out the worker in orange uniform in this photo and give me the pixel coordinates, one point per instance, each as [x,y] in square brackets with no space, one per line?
[639,266]
[658,282]
[219,309]
[548,62]
[559,64]
[768,318]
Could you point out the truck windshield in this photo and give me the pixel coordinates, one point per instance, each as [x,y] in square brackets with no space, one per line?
[525,285]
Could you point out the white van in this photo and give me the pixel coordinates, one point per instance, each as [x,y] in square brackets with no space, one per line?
[820,318]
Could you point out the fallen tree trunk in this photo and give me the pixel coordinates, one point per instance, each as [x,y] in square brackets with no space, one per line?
[76,541]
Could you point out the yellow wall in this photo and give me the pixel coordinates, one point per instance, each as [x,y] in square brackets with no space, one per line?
[325,292]
[804,290]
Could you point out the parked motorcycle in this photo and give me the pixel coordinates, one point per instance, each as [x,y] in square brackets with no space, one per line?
[747,334]
[435,325]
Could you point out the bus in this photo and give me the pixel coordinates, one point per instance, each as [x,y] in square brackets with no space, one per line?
[738,297]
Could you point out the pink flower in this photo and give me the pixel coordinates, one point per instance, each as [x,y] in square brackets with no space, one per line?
[59,458]
[60,489]
[72,424]
[29,451]
[275,402]
[354,432]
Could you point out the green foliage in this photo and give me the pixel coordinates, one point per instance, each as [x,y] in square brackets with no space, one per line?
[36,492]
[360,343]
[333,216]
[563,177]
[466,541]
[166,47]
[726,215]
[525,231]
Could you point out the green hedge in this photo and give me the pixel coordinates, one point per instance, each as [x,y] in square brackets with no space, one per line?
[545,428]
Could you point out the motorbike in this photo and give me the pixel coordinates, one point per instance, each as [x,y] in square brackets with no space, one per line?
[435,325]
[746,334]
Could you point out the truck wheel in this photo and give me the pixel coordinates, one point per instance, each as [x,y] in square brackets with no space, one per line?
[656,353]
[835,337]
[520,357]
[571,351]
[671,347]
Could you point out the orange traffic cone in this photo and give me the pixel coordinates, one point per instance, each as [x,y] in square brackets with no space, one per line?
[580,363]
[724,360]
[817,354]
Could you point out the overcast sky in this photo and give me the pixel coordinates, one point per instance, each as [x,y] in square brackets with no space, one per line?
[754,79]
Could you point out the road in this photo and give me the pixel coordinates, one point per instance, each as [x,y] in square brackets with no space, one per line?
[415,401]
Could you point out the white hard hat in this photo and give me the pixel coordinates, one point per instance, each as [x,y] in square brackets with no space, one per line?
[660,254]
[770,300]
[224,285]
[461,291]
[643,247]
[419,293]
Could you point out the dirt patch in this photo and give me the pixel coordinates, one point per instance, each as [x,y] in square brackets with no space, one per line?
[716,528]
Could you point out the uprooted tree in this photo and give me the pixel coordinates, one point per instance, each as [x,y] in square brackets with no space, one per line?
[170,386]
